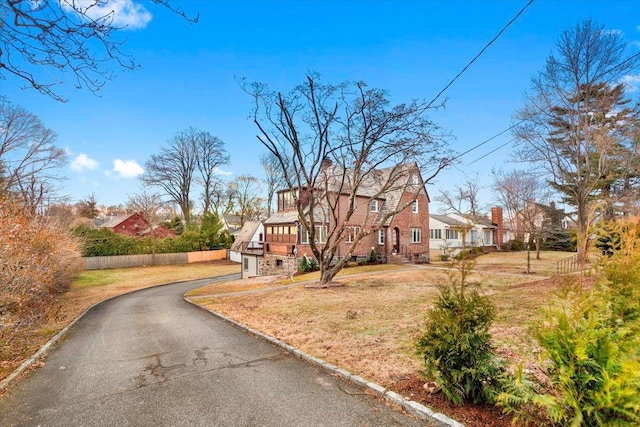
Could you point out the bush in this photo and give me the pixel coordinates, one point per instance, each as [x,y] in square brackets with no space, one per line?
[373,257]
[516,245]
[308,264]
[456,346]
[38,260]
[591,342]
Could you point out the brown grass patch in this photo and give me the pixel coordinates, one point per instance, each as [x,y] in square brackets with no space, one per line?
[370,325]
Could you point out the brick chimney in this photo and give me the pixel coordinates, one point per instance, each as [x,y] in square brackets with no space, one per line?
[497,219]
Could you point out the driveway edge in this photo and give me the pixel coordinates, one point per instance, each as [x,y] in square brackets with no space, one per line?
[414,408]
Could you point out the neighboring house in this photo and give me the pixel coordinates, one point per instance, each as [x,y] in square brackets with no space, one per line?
[450,233]
[403,235]
[132,224]
[232,223]
[250,239]
[534,217]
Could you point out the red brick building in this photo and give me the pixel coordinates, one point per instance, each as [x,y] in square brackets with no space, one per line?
[394,233]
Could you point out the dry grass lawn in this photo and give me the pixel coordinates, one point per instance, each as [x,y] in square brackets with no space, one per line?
[376,318]
[369,325]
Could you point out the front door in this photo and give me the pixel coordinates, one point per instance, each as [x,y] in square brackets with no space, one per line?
[396,239]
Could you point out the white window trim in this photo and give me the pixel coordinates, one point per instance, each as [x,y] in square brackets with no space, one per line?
[352,231]
[414,206]
[381,236]
[374,205]
[415,232]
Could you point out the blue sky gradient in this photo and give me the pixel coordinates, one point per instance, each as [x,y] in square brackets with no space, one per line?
[410,48]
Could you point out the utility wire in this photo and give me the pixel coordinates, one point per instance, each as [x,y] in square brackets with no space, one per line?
[480,53]
[486,141]
[491,152]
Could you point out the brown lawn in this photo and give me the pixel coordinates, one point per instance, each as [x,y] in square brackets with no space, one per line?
[369,325]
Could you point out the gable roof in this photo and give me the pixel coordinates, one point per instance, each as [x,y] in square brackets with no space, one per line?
[115,221]
[340,180]
[246,234]
[448,220]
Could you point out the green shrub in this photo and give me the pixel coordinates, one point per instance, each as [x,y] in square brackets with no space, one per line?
[308,264]
[373,256]
[456,346]
[516,245]
[591,340]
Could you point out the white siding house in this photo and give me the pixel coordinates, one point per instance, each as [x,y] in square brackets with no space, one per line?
[446,233]
[249,239]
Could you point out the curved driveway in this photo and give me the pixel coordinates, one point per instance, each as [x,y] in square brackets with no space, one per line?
[151,359]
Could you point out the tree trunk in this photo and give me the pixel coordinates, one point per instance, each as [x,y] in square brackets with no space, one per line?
[327,275]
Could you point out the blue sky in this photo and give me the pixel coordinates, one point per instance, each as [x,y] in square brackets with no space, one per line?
[410,48]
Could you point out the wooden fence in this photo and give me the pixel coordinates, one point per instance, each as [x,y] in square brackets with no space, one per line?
[122,261]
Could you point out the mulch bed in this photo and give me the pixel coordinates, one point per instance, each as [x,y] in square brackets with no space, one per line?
[470,415]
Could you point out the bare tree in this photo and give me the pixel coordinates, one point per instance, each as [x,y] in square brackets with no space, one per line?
[211,154]
[354,129]
[151,205]
[62,37]
[30,162]
[222,197]
[246,190]
[526,199]
[274,177]
[463,201]
[562,123]
[174,169]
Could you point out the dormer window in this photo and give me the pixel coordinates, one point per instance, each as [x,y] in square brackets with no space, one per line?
[374,206]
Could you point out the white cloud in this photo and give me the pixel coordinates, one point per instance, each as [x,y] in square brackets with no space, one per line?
[82,163]
[127,168]
[631,82]
[120,13]
[219,171]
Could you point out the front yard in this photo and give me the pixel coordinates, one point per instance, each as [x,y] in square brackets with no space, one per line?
[369,326]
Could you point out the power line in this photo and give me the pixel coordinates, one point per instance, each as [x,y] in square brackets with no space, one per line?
[481,52]
[486,141]
[492,151]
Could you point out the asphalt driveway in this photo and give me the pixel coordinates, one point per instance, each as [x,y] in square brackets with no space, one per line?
[151,359]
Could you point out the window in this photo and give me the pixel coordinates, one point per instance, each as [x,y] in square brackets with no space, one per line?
[246,263]
[351,233]
[414,206]
[381,236]
[279,263]
[435,233]
[374,206]
[321,234]
[416,235]
[286,200]
[451,234]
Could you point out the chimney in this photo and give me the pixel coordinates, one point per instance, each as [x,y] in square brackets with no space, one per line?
[326,163]
[496,218]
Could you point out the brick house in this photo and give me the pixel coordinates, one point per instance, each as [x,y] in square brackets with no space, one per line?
[132,224]
[403,235]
